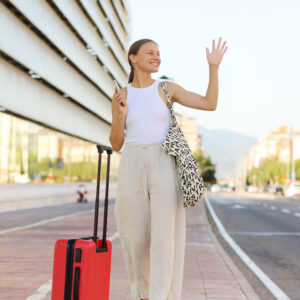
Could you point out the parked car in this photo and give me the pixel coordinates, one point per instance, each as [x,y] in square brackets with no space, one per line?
[224,187]
[293,189]
[230,189]
[265,189]
[252,188]
[215,188]
[276,189]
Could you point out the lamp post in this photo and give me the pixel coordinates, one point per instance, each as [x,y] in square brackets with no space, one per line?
[165,77]
[292,161]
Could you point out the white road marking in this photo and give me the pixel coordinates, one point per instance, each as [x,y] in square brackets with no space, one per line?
[44,222]
[273,207]
[111,238]
[297,214]
[287,211]
[265,205]
[43,290]
[272,287]
[237,206]
[255,233]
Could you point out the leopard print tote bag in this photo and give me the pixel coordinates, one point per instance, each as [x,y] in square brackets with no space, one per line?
[191,182]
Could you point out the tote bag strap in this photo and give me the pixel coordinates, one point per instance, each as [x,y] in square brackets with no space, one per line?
[164,87]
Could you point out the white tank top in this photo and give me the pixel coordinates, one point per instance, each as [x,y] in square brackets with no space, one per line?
[148,118]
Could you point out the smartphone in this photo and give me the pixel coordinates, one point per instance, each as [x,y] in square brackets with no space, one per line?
[118,89]
[116,84]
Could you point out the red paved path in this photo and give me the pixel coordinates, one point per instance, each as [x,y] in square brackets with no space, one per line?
[26,258]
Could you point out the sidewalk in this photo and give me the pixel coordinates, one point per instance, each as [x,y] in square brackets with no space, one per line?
[206,274]
[32,195]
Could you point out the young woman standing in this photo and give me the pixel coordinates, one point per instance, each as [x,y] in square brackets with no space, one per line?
[149,212]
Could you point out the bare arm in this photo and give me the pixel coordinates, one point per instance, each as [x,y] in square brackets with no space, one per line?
[213,88]
[194,100]
[119,112]
[117,132]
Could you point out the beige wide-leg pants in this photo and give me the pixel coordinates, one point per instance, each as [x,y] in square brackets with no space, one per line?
[150,219]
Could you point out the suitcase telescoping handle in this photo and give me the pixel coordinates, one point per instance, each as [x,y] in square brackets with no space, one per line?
[109,151]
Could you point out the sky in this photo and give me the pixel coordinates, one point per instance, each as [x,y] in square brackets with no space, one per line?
[259,81]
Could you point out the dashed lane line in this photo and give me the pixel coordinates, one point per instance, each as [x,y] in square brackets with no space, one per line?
[272,233]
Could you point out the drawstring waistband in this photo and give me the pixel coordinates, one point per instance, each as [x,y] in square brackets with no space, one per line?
[141,157]
[142,169]
[141,145]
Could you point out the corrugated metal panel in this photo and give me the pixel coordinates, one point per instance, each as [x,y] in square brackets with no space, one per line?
[46,63]
[74,51]
[123,16]
[27,97]
[75,16]
[108,8]
[41,15]
[99,19]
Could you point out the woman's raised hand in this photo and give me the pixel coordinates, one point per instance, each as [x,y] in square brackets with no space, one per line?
[214,58]
[119,104]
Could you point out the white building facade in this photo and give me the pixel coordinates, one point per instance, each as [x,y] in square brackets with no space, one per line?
[58,60]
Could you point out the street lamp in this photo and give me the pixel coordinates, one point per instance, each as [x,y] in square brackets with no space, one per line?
[165,77]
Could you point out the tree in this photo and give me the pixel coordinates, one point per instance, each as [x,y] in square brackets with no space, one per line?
[297,169]
[269,170]
[206,167]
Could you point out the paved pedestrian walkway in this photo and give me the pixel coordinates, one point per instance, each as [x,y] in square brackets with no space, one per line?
[27,259]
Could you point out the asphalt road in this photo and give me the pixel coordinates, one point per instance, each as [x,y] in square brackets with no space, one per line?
[269,232]
[26,217]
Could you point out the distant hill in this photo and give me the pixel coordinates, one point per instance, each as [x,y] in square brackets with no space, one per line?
[227,149]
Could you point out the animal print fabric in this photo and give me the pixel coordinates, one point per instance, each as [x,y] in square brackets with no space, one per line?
[191,181]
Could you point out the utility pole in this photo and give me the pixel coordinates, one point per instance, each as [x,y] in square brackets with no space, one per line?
[292,154]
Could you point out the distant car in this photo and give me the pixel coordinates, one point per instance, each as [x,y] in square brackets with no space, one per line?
[207,187]
[224,187]
[215,188]
[265,189]
[276,189]
[253,188]
[293,189]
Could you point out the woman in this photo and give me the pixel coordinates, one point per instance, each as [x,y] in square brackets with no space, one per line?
[148,210]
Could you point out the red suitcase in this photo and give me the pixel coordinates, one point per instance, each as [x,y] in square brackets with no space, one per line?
[81,269]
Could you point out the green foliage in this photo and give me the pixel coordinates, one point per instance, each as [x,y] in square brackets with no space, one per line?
[19,159]
[32,164]
[297,169]
[83,171]
[269,170]
[206,167]
[79,171]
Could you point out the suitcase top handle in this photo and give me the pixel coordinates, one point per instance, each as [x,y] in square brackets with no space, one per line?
[102,148]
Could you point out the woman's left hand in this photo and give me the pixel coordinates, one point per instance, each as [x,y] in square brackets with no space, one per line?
[214,58]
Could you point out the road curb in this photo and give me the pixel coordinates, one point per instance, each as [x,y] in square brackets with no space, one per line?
[244,284]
